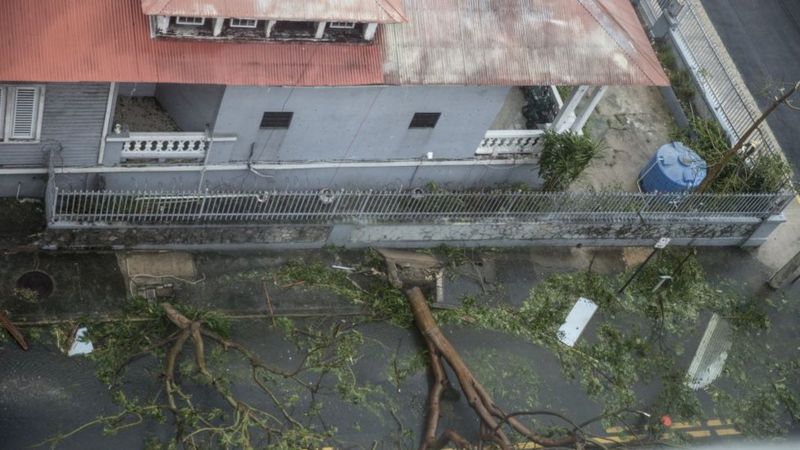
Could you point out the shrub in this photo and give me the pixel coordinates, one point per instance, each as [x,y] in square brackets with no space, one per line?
[564,156]
[762,173]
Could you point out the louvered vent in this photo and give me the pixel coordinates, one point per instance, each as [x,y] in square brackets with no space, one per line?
[26,101]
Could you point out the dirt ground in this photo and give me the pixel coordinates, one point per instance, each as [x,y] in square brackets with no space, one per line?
[632,122]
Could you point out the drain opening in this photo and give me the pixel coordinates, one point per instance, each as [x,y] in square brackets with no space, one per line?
[36,284]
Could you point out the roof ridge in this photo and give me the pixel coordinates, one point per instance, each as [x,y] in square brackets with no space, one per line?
[392,10]
[614,36]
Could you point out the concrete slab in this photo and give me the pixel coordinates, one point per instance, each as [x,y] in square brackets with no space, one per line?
[510,116]
[632,122]
[154,268]
[784,242]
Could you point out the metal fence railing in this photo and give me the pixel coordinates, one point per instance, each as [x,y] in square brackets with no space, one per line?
[724,93]
[77,208]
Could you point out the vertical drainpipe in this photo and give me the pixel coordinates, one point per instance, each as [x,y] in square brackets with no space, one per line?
[270,26]
[320,30]
[369,31]
[583,116]
[112,96]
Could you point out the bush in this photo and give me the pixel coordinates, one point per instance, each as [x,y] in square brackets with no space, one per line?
[763,173]
[680,79]
[563,158]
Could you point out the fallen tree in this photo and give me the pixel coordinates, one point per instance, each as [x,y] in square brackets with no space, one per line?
[184,341]
[495,423]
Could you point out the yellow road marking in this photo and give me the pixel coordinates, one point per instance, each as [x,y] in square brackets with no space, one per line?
[699,434]
[613,439]
[627,438]
[727,432]
[682,425]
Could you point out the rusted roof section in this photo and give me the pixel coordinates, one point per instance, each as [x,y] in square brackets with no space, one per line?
[109,40]
[382,11]
[520,42]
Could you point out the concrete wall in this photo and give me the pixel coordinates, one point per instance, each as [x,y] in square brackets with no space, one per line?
[361,123]
[32,185]
[73,117]
[192,106]
[291,236]
[137,89]
[449,177]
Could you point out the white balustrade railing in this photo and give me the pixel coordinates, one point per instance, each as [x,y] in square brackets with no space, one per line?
[179,145]
[509,143]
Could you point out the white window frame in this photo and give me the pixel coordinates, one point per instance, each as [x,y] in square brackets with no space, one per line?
[243,23]
[7,113]
[342,25]
[190,21]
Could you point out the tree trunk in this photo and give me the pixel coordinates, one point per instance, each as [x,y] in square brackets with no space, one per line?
[492,417]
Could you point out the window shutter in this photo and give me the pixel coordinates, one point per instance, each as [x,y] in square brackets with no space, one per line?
[25,113]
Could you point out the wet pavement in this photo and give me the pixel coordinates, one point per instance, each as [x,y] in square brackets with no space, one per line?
[43,392]
[763,39]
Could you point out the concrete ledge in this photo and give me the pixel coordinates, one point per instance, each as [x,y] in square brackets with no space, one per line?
[731,232]
[187,238]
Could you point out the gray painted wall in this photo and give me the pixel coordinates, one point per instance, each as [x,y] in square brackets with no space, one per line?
[449,177]
[192,106]
[362,123]
[73,117]
[288,236]
[137,89]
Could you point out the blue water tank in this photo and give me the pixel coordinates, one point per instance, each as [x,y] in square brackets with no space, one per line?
[674,168]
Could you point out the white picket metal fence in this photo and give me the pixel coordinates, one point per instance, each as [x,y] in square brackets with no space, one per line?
[132,208]
[700,49]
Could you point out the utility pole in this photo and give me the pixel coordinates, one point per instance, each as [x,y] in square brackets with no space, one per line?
[716,169]
[660,245]
[782,276]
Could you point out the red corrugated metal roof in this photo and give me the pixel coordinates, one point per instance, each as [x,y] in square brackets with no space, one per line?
[382,11]
[520,42]
[109,40]
[472,42]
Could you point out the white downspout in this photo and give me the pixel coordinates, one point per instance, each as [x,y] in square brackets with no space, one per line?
[112,96]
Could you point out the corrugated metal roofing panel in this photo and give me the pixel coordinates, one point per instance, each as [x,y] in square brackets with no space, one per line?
[109,40]
[520,42]
[382,11]
[471,42]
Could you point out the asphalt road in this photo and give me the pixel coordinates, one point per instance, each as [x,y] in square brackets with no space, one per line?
[763,38]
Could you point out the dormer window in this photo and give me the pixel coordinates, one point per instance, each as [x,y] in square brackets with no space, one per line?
[193,21]
[260,29]
[244,23]
[342,25]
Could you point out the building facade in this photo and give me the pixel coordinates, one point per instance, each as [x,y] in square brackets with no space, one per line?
[239,96]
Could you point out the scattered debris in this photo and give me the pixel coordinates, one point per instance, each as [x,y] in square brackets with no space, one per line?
[711,354]
[416,269]
[81,345]
[13,331]
[576,321]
